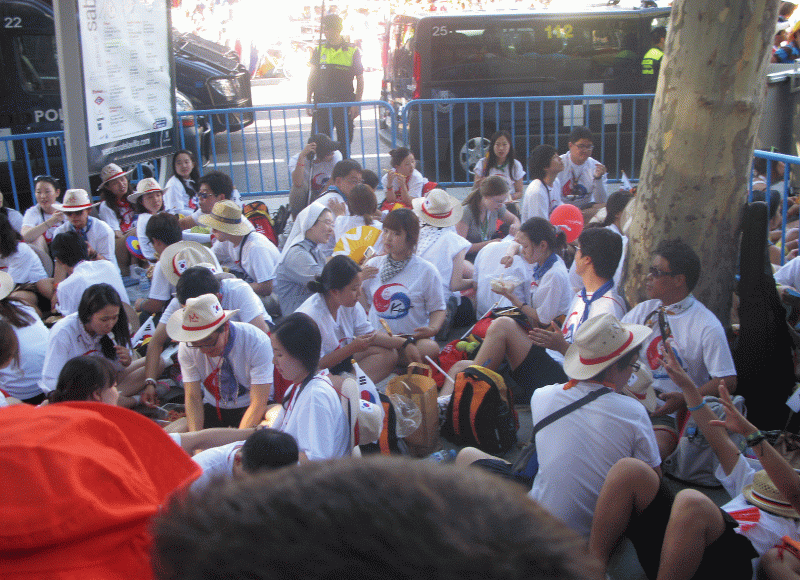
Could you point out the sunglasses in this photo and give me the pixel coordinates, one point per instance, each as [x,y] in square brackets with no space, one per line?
[656,273]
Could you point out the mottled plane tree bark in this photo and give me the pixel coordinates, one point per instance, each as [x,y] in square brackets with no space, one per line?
[701,138]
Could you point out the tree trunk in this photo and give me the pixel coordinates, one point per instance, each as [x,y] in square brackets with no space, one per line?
[701,138]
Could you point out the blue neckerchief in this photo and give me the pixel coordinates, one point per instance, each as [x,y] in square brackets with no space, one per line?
[228,387]
[84,233]
[540,270]
[588,301]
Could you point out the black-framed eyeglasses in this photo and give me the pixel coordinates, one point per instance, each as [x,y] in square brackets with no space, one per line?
[656,273]
[207,342]
[635,366]
[585,146]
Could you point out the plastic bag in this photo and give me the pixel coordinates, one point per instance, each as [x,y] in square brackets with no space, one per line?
[408,415]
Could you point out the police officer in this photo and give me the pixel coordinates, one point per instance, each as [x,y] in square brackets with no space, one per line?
[334,66]
[651,63]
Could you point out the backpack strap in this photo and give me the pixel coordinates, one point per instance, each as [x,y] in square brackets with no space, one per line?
[568,409]
[241,246]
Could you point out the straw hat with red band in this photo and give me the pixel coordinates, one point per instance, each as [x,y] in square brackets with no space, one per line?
[226,216]
[145,186]
[198,319]
[75,200]
[110,172]
[81,482]
[762,493]
[180,256]
[438,209]
[599,342]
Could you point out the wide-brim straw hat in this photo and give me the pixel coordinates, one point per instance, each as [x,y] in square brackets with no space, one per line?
[197,319]
[438,208]
[75,200]
[180,256]
[6,284]
[762,493]
[226,216]
[111,172]
[599,342]
[145,186]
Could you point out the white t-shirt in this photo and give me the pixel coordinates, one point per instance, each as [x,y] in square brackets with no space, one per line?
[540,200]
[414,182]
[769,529]
[259,256]
[487,266]
[216,462]
[333,194]
[160,287]
[125,223]
[99,235]
[576,452]
[551,296]
[68,338]
[698,340]
[316,420]
[251,359]
[789,274]
[509,172]
[22,381]
[15,219]
[34,216]
[590,189]
[85,274]
[177,199]
[144,242]
[405,301]
[349,323]
[23,265]
[442,252]
[236,295]
[321,170]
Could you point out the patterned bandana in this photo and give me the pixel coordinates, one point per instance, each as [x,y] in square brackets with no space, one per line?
[392,268]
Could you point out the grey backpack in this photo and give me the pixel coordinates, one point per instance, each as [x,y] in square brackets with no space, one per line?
[694,461]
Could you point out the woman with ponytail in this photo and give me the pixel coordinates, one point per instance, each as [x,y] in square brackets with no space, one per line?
[347,333]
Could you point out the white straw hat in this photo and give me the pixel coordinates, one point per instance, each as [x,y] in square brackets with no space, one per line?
[438,208]
[180,256]
[197,319]
[75,200]
[111,171]
[226,216]
[6,284]
[762,493]
[599,342]
[146,185]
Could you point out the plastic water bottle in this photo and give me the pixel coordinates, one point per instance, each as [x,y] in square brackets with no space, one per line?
[443,456]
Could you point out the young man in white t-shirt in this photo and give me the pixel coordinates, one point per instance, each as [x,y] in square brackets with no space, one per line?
[264,450]
[226,366]
[698,338]
[163,232]
[238,243]
[70,251]
[212,188]
[345,176]
[311,170]
[583,179]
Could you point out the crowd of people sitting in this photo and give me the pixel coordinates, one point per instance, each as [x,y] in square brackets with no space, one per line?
[261,337]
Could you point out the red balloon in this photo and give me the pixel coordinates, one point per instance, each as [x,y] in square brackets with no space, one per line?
[568,218]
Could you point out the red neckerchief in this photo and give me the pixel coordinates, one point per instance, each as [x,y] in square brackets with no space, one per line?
[211,383]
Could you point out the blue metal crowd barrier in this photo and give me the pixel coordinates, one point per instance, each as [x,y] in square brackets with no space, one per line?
[278,132]
[784,188]
[450,135]
[26,156]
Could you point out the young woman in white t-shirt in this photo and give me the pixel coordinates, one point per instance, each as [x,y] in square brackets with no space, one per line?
[180,192]
[313,413]
[25,268]
[543,194]
[403,182]
[347,334]
[405,291]
[500,161]
[148,200]
[41,220]
[550,296]
[86,378]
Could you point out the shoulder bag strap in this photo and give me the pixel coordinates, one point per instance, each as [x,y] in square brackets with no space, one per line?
[568,409]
